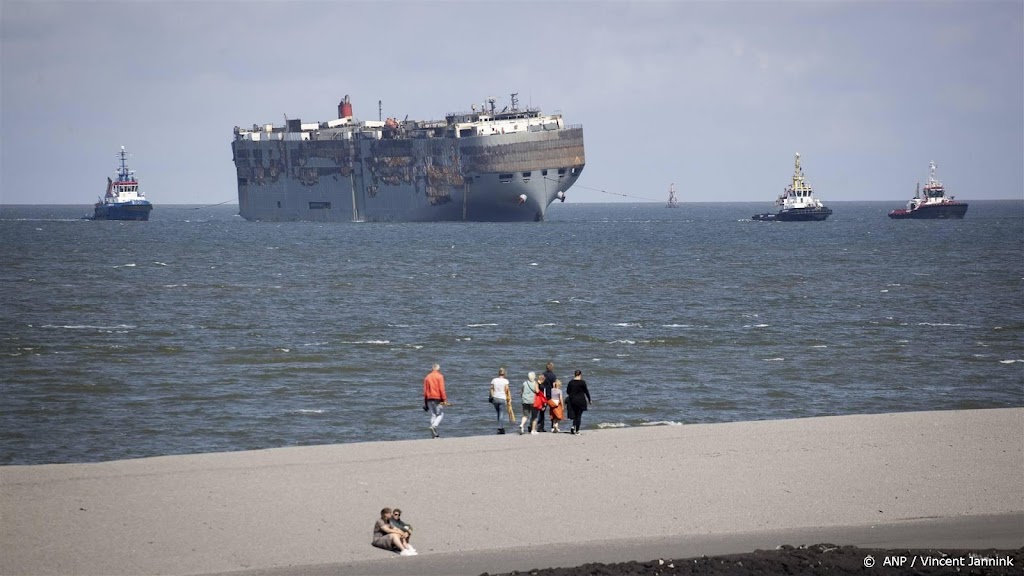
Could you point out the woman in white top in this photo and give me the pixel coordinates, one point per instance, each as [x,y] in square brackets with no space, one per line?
[500,396]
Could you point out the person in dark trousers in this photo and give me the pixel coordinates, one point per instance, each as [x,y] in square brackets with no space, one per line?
[579,399]
[549,381]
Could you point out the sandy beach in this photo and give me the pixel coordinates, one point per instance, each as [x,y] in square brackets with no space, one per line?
[502,503]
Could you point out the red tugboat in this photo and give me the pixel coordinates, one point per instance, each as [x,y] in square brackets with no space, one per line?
[933,205]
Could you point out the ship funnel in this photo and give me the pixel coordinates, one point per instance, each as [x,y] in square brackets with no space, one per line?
[345,108]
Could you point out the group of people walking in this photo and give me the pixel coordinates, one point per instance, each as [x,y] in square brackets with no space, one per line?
[542,395]
[542,399]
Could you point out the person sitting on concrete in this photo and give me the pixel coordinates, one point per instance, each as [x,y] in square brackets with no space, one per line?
[388,537]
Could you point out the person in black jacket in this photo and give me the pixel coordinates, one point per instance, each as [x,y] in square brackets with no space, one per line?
[549,381]
[579,399]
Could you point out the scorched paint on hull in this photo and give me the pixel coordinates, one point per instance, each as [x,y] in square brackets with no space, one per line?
[493,166]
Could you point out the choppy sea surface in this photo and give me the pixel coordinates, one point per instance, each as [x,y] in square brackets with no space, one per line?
[199,332]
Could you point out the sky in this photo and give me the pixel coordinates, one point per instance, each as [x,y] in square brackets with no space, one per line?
[715,97]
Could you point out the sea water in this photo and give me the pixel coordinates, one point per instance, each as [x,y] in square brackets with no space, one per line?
[199,331]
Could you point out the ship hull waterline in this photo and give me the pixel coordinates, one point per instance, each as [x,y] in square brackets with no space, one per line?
[795,215]
[133,212]
[943,212]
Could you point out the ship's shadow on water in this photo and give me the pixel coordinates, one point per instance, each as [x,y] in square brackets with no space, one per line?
[198,331]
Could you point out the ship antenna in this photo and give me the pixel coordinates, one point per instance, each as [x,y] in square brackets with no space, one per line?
[380,109]
[515,102]
[122,172]
[491,100]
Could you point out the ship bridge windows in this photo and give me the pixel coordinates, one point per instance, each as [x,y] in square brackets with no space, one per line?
[544,172]
[561,172]
[526,176]
[504,178]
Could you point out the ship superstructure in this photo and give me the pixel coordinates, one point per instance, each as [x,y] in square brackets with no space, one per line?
[797,202]
[933,204]
[481,165]
[123,200]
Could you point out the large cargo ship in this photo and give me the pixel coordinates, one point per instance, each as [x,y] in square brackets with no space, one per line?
[486,165]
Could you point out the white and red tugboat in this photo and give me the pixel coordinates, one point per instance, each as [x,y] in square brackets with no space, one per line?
[933,205]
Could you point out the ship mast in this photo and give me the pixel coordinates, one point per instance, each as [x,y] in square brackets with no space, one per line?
[931,174]
[122,171]
[672,203]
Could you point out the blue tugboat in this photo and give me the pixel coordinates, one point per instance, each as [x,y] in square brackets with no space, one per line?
[797,202]
[123,200]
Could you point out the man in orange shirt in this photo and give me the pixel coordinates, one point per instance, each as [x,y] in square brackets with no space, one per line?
[434,398]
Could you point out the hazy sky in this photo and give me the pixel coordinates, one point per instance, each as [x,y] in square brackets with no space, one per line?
[714,96]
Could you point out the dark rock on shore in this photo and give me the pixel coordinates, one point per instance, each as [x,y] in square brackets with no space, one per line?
[816,559]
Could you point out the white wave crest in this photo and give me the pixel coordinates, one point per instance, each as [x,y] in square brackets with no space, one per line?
[89,327]
[1009,361]
[611,425]
[943,325]
[773,359]
[479,325]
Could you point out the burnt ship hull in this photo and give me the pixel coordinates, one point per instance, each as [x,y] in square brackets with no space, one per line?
[495,178]
[955,210]
[133,211]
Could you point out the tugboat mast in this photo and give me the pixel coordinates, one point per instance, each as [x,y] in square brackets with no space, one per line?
[932,180]
[122,172]
[672,203]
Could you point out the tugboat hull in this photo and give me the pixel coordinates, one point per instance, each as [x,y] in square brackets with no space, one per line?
[122,211]
[795,215]
[936,212]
